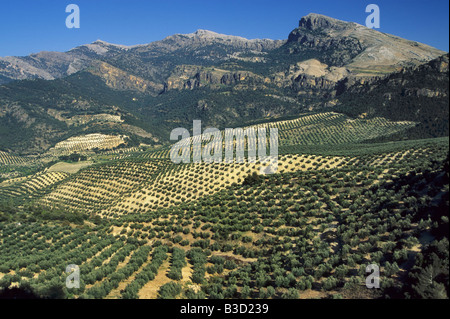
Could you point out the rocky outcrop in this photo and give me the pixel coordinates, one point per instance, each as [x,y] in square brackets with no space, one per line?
[43,65]
[419,94]
[311,75]
[189,77]
[315,21]
[364,51]
[120,80]
[204,38]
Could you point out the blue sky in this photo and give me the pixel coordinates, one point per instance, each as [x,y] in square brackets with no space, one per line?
[30,26]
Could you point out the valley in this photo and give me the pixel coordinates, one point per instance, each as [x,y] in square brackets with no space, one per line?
[362,175]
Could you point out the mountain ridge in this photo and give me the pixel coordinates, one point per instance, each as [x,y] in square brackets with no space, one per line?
[222,80]
[364,42]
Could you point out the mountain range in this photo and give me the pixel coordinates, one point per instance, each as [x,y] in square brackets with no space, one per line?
[223,80]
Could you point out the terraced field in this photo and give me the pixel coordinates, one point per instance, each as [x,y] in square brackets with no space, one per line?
[8,159]
[306,230]
[89,142]
[30,187]
[334,128]
[100,185]
[140,226]
[142,182]
[327,129]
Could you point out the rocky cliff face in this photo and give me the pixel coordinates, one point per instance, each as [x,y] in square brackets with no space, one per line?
[315,21]
[362,50]
[203,38]
[419,94]
[334,55]
[331,55]
[311,77]
[325,38]
[188,77]
[420,81]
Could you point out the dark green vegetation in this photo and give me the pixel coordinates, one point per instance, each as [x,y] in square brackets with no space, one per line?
[420,89]
[72,158]
[80,94]
[363,148]
[227,107]
[279,236]
[363,171]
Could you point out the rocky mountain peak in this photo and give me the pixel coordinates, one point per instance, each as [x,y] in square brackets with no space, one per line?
[358,48]
[118,46]
[206,34]
[314,21]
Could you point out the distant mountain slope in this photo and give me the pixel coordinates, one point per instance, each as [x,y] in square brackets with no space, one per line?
[419,94]
[150,60]
[226,81]
[334,42]
[55,65]
[35,115]
[360,49]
